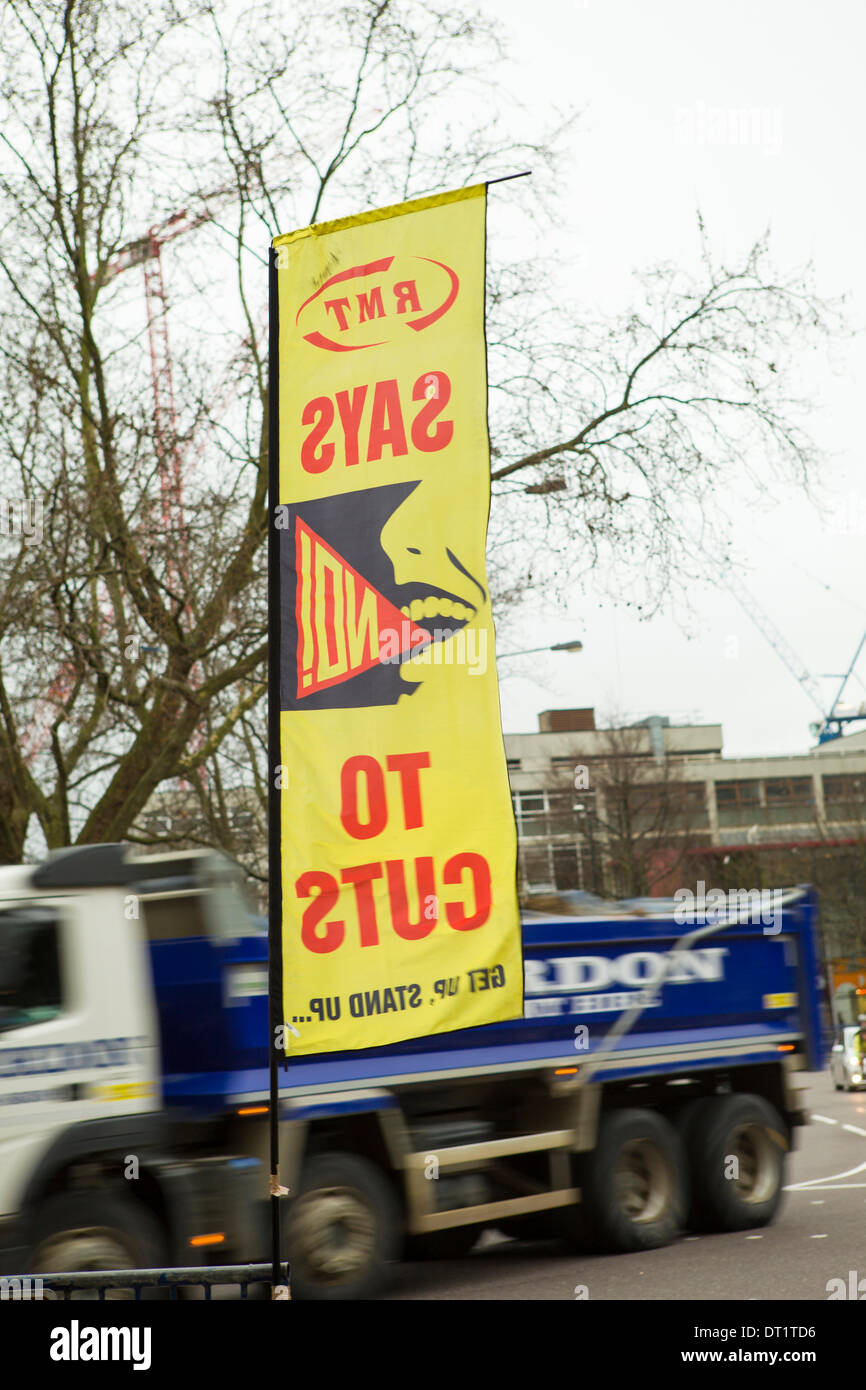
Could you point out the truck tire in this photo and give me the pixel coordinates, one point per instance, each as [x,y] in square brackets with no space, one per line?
[96,1231]
[343,1229]
[454,1243]
[632,1186]
[727,1196]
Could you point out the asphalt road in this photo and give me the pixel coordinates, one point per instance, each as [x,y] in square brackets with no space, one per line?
[819,1234]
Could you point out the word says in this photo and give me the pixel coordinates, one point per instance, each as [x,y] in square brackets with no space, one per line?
[384,426]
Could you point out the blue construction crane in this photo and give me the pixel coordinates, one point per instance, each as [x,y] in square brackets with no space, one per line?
[835,721]
[832,724]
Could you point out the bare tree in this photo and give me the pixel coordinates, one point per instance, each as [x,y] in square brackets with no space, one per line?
[133,634]
[627,434]
[638,816]
[617,819]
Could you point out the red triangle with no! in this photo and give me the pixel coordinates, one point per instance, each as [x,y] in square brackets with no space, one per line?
[345,625]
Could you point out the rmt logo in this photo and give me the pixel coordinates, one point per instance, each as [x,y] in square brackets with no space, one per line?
[370,305]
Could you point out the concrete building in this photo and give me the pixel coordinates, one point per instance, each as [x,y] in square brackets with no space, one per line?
[719,809]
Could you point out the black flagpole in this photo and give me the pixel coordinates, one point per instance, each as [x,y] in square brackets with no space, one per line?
[275,945]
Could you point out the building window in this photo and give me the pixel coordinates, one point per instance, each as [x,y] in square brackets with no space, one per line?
[566,869]
[537,870]
[845,797]
[545,813]
[739,803]
[686,805]
[789,800]
[550,869]
[530,812]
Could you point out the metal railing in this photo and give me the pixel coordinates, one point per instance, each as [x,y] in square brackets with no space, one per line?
[84,1283]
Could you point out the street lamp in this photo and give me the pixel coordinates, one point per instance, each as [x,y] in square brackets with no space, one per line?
[573,646]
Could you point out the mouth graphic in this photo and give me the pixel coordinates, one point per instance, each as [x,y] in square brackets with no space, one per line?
[349,624]
[436,610]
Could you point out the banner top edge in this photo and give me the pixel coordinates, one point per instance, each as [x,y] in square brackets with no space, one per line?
[475,190]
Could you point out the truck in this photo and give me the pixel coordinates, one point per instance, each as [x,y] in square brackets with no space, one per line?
[650,1087]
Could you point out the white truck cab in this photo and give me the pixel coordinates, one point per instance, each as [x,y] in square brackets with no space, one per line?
[88,1157]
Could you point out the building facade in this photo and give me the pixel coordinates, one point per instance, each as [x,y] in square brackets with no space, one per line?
[645,809]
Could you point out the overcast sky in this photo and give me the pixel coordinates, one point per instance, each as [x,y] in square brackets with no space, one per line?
[645,155]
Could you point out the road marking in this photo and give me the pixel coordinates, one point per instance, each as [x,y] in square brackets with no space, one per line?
[831,1177]
[818,1202]
[754,1237]
[817,1186]
[854,1129]
[823,1237]
[824,1120]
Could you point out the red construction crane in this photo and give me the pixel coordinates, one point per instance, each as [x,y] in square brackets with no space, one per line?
[146,251]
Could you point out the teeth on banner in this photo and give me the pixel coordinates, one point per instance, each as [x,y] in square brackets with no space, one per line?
[436,608]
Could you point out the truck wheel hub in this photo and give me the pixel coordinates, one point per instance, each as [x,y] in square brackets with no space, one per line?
[92,1248]
[334,1232]
[755,1176]
[641,1181]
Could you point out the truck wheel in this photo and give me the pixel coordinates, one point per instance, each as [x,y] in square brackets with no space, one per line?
[96,1231]
[632,1186]
[735,1150]
[343,1229]
[451,1244]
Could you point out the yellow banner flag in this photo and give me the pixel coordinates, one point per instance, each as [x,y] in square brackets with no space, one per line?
[397,838]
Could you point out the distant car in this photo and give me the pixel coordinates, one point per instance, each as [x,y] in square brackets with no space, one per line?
[845,1065]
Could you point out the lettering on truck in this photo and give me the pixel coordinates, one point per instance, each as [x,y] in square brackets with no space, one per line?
[638,971]
[71,1056]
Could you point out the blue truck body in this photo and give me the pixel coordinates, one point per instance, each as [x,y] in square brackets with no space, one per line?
[740,995]
[656,1058]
